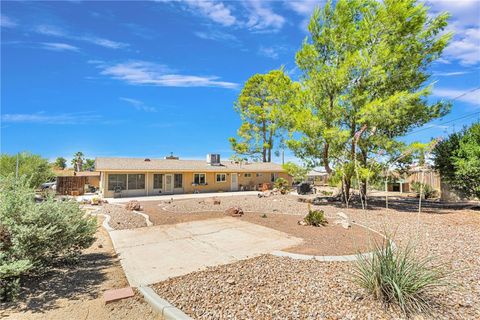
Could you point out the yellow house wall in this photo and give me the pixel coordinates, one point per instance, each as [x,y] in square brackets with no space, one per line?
[211,186]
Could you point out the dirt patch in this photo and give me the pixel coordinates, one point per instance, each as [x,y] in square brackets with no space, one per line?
[330,240]
[122,218]
[76,291]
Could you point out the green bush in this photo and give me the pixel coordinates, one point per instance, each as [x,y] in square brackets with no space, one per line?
[315,218]
[282,185]
[426,189]
[397,276]
[37,235]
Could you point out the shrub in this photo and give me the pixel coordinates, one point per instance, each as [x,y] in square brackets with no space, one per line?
[315,218]
[282,185]
[426,189]
[397,276]
[36,235]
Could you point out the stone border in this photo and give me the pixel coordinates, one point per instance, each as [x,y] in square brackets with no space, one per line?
[162,306]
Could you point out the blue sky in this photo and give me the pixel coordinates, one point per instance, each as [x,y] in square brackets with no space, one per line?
[149,78]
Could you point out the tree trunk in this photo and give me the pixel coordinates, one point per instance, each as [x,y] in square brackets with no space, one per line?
[264,148]
[326,163]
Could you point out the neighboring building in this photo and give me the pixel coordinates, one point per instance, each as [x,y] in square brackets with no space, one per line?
[69,182]
[403,183]
[317,177]
[147,177]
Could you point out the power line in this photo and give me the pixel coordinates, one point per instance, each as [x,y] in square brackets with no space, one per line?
[460,118]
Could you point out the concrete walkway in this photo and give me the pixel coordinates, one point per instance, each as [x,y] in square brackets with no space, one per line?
[153,254]
[166,197]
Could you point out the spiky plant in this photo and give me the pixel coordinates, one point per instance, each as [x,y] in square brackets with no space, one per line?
[398,276]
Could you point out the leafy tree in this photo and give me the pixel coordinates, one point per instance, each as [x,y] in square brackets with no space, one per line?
[298,173]
[261,104]
[77,161]
[458,160]
[89,165]
[364,80]
[34,167]
[60,163]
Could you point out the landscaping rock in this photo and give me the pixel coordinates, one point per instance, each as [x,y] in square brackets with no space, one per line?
[234,212]
[319,201]
[344,223]
[214,201]
[133,205]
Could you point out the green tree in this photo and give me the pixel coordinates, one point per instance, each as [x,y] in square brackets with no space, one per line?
[34,167]
[77,161]
[364,80]
[89,165]
[298,173]
[60,163]
[457,158]
[261,105]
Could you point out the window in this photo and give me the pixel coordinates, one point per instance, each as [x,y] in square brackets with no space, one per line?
[117,181]
[221,177]
[247,175]
[199,178]
[273,177]
[259,174]
[158,181]
[178,180]
[136,181]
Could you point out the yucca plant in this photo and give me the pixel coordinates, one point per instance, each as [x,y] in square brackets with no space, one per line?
[398,276]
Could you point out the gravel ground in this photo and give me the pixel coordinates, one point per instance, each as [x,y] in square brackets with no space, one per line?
[270,287]
[273,204]
[121,218]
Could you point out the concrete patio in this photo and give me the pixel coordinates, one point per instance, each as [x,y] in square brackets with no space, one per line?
[152,254]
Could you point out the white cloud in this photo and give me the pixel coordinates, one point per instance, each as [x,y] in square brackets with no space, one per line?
[139,105]
[305,9]
[6,22]
[146,73]
[66,118]
[449,74]
[216,35]
[271,52]
[469,96]
[465,24]
[215,10]
[55,46]
[50,30]
[261,17]
[104,42]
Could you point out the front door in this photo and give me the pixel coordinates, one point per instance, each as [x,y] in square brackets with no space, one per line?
[234,186]
[169,183]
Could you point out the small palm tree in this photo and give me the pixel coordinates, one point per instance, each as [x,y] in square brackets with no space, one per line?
[77,161]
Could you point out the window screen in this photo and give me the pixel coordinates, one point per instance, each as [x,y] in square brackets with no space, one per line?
[117,181]
[136,181]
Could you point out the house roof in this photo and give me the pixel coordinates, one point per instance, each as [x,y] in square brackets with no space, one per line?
[140,164]
[316,173]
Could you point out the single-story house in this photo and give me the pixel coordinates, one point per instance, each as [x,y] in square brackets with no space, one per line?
[124,177]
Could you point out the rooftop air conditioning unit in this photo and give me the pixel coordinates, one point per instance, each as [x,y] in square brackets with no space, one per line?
[213,159]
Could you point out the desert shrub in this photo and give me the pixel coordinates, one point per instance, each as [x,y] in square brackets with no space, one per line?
[282,185]
[426,190]
[315,218]
[37,235]
[398,276]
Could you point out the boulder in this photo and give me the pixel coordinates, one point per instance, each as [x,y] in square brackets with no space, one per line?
[234,212]
[133,205]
